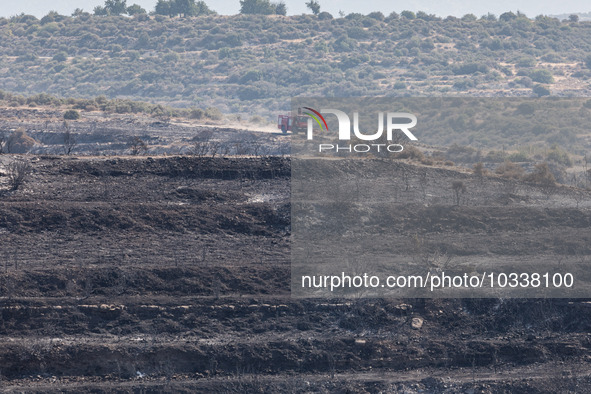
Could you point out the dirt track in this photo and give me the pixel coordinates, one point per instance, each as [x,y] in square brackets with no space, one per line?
[173,274]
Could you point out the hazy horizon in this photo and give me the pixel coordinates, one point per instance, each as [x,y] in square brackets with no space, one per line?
[531,8]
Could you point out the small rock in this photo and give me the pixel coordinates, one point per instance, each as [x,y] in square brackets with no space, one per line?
[416,323]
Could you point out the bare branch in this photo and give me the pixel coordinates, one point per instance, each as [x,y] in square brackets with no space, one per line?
[18,172]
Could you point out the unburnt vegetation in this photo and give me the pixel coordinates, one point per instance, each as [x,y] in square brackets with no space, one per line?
[252,64]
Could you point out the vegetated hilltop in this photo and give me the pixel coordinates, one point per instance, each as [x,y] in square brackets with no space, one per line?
[249,64]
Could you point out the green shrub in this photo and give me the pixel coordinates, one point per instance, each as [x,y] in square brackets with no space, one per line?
[213,113]
[197,113]
[408,14]
[541,76]
[541,90]
[526,61]
[469,68]
[399,85]
[60,57]
[377,15]
[71,114]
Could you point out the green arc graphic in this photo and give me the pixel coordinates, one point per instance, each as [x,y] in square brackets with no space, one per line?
[315,118]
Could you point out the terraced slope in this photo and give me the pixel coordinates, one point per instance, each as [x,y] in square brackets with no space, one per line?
[151,274]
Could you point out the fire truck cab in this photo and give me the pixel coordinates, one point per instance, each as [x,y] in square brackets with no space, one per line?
[292,123]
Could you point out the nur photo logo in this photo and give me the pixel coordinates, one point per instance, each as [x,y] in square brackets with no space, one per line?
[389,123]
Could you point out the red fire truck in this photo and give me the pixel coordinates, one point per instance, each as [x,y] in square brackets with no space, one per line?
[292,123]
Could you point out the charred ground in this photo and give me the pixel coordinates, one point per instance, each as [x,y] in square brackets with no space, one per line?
[172,273]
